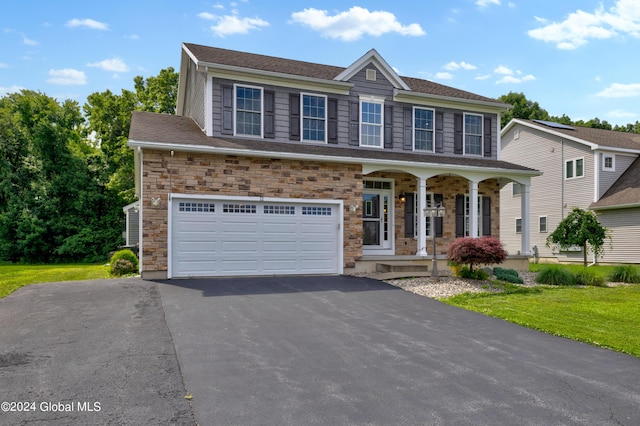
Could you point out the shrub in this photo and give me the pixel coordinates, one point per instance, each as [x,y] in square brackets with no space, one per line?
[555,275]
[590,278]
[124,262]
[473,274]
[508,275]
[625,274]
[476,251]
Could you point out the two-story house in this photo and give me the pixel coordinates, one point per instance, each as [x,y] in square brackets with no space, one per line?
[582,167]
[276,166]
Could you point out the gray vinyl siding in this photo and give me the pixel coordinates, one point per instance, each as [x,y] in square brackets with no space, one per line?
[624,225]
[551,195]
[380,88]
[194,96]
[608,178]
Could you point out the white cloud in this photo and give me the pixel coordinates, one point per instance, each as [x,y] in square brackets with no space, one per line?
[503,70]
[29,42]
[114,64]
[354,23]
[619,113]
[617,90]
[483,77]
[232,24]
[10,89]
[579,27]
[510,79]
[67,77]
[3,65]
[443,76]
[133,37]
[487,3]
[87,23]
[452,66]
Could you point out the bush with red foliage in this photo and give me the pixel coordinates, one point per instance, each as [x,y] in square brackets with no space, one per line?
[476,251]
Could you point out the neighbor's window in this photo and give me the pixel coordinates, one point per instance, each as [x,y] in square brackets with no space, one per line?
[248,110]
[517,188]
[314,118]
[423,129]
[609,162]
[574,168]
[473,134]
[371,123]
[518,225]
[542,223]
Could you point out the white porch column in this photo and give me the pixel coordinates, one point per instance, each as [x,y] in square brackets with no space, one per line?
[473,208]
[422,204]
[525,214]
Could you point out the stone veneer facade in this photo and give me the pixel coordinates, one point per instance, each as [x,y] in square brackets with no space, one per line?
[209,174]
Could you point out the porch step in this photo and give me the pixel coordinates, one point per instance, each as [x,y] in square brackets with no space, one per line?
[401,267]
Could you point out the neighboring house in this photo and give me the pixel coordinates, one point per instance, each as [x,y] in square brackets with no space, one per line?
[132,225]
[582,167]
[275,166]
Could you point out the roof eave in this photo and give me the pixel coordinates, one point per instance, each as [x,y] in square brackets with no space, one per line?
[448,101]
[615,206]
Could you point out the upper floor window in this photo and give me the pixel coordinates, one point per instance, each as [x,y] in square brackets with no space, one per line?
[574,168]
[473,134]
[609,162]
[371,122]
[314,118]
[423,129]
[248,110]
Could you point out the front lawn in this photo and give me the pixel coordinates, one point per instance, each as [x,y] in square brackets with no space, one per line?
[12,277]
[602,316]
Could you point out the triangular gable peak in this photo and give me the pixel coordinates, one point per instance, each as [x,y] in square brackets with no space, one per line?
[372,56]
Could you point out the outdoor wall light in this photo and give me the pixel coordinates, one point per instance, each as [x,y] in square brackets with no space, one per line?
[402,197]
[155,202]
[353,208]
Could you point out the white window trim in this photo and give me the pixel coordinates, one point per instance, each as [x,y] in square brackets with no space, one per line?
[516,225]
[430,200]
[464,134]
[326,112]
[467,203]
[546,224]
[433,130]
[574,161]
[235,110]
[373,100]
[613,162]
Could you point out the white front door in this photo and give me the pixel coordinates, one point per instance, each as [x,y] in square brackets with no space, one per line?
[377,218]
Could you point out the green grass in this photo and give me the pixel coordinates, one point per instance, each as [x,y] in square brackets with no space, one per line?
[606,317]
[12,277]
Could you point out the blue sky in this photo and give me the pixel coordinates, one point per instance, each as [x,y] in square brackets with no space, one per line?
[580,58]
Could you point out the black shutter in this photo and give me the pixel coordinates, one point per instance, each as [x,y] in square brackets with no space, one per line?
[457,134]
[459,215]
[294,117]
[354,123]
[486,216]
[487,136]
[388,126]
[269,114]
[408,129]
[332,125]
[438,199]
[409,215]
[439,131]
[227,110]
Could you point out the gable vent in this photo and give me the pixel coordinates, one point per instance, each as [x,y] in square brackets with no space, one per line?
[371,75]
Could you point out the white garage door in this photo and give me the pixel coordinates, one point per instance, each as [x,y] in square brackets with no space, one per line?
[243,237]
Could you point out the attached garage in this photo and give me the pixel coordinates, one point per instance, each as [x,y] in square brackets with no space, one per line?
[239,236]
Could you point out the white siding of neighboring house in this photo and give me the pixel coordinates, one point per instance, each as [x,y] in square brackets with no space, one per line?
[624,225]
[607,177]
[551,195]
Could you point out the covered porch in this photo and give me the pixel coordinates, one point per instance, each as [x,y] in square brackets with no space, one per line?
[398,235]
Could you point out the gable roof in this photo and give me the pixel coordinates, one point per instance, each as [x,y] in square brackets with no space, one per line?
[206,56]
[164,131]
[594,138]
[625,192]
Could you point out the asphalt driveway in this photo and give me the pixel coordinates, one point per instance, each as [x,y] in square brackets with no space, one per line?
[291,351]
[354,351]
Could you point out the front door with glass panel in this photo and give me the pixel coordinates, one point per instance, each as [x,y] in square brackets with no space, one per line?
[377,217]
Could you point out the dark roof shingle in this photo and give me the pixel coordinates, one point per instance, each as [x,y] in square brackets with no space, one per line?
[625,191]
